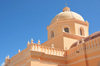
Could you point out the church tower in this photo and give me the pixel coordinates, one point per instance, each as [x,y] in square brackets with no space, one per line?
[66,28]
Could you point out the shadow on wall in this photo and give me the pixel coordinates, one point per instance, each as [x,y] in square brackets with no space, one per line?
[98,63]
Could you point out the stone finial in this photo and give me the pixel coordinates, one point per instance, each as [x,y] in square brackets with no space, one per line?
[32,41]
[87,22]
[39,42]
[28,42]
[7,57]
[19,51]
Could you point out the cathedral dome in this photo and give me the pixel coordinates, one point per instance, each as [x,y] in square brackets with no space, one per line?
[67,14]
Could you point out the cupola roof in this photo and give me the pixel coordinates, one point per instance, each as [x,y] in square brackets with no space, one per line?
[67,14]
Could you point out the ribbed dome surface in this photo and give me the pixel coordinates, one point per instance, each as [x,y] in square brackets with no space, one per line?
[67,14]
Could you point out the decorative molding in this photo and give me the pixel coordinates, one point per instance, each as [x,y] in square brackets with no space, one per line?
[90,58]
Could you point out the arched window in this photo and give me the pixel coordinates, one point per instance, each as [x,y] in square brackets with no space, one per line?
[81,31]
[66,29]
[52,34]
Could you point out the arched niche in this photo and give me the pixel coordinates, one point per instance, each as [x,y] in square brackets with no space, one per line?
[52,34]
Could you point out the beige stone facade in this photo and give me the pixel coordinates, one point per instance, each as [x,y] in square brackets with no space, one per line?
[69,44]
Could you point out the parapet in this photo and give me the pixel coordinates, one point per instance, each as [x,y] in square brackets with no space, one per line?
[46,50]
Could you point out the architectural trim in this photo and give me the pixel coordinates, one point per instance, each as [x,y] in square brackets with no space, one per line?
[90,58]
[72,36]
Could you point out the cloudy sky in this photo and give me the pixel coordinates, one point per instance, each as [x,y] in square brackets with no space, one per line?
[21,20]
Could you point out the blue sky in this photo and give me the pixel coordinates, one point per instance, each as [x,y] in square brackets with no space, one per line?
[21,20]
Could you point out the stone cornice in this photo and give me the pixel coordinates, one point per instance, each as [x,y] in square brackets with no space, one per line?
[45,57]
[72,36]
[69,20]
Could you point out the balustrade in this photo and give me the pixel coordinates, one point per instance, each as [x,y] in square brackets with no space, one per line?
[50,51]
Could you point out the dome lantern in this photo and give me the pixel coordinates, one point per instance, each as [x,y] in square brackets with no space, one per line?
[66,9]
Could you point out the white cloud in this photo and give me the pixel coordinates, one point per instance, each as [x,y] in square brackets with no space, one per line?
[3,64]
